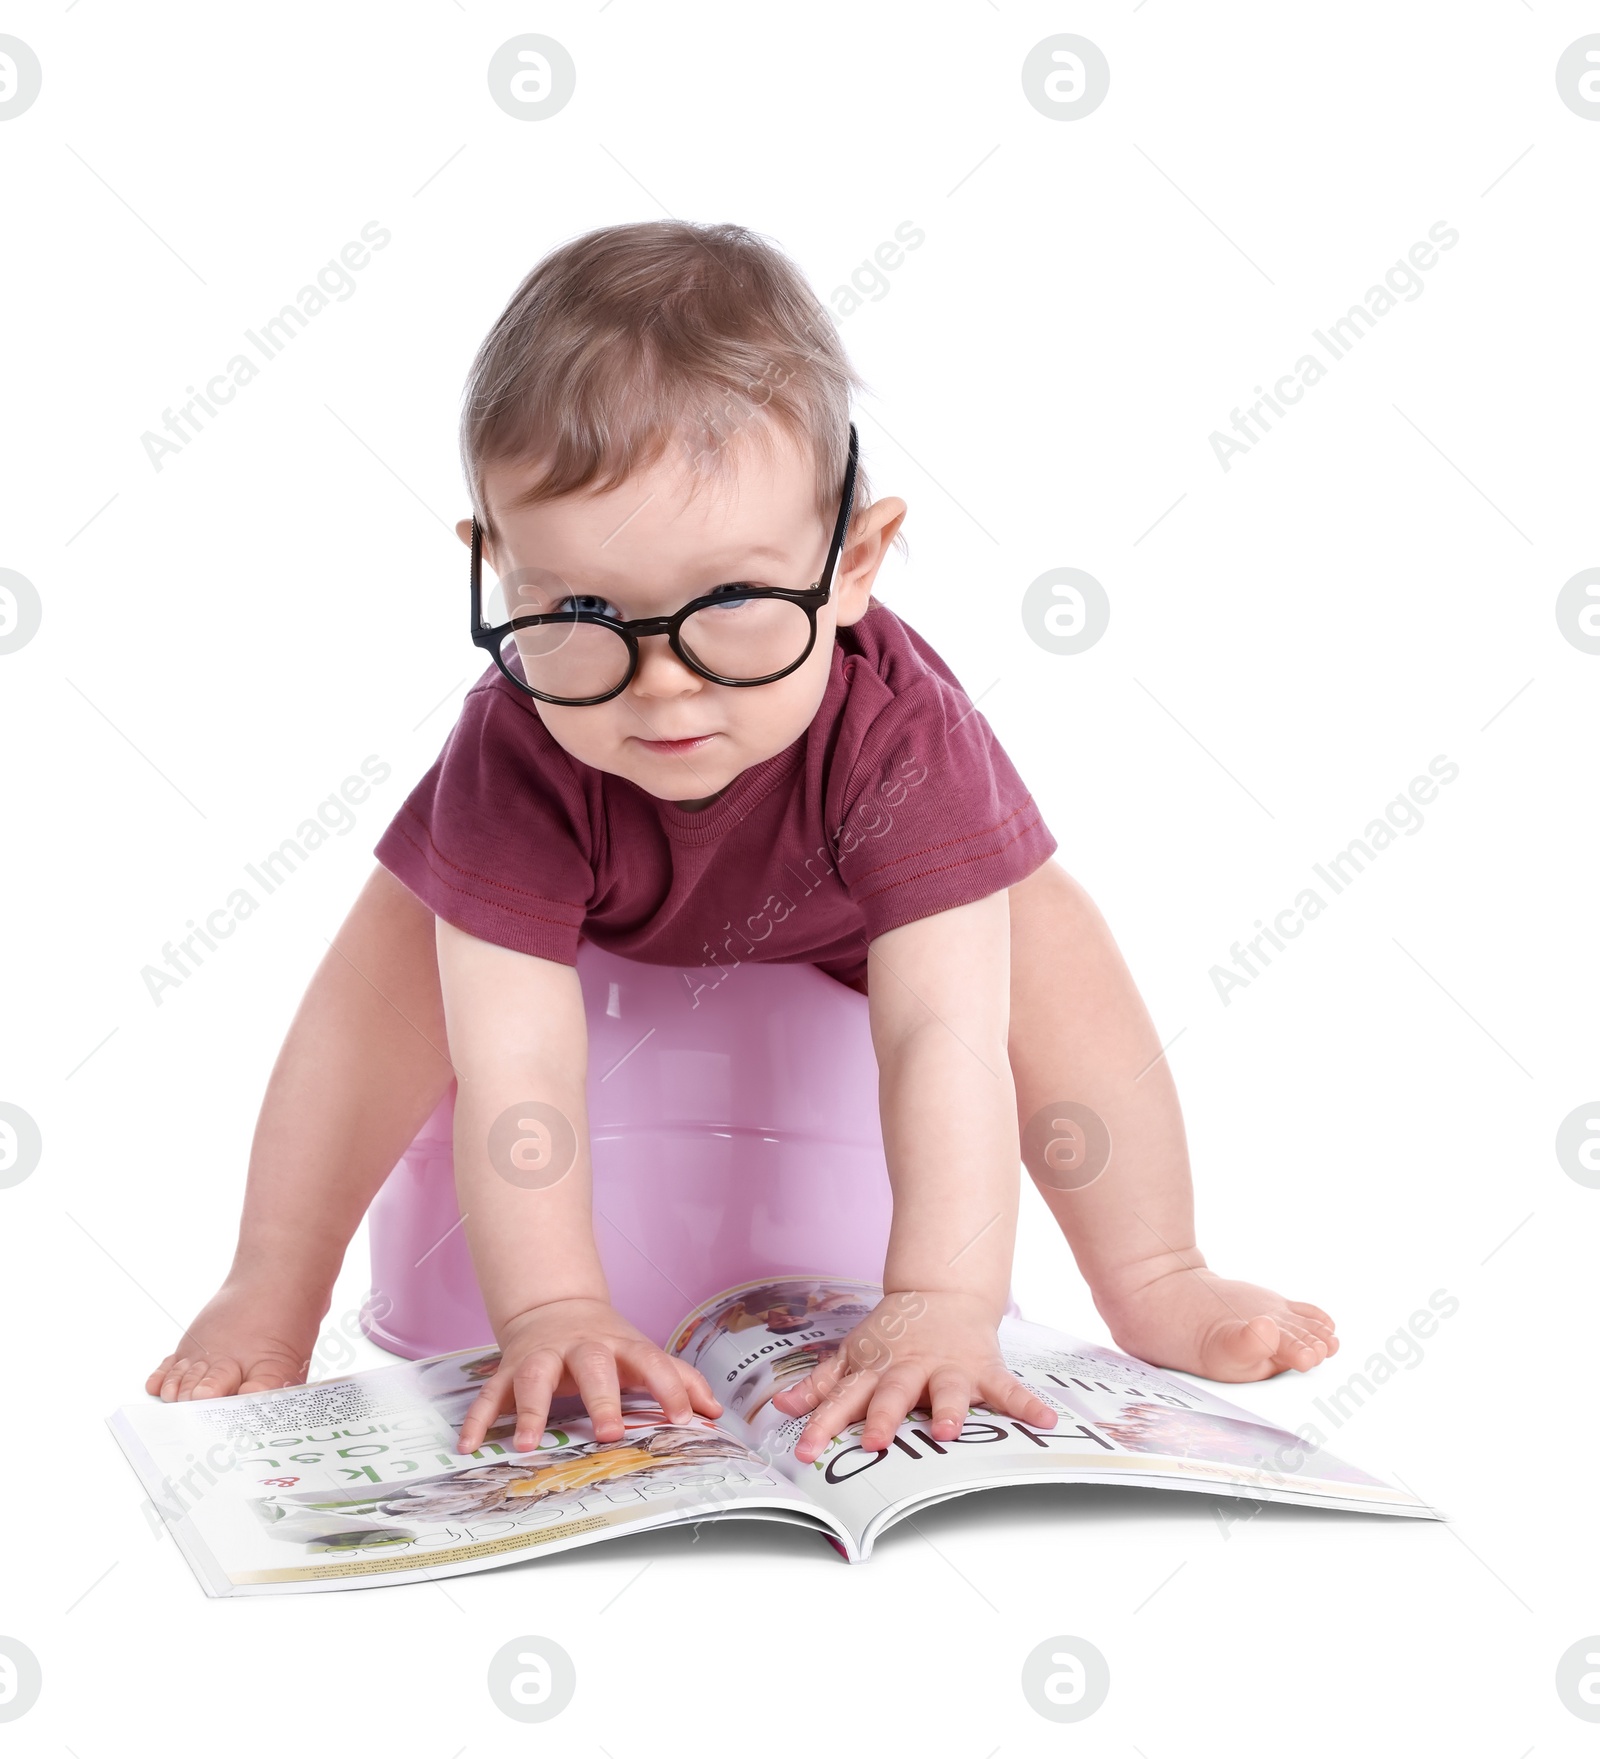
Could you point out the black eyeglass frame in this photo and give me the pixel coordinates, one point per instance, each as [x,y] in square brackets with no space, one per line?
[810,599]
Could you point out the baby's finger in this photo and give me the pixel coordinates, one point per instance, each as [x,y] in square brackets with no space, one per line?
[949,1394]
[482,1412]
[594,1369]
[699,1389]
[844,1375]
[888,1408]
[796,1400]
[660,1375]
[828,1419]
[820,1385]
[537,1378]
[1003,1392]
[158,1374]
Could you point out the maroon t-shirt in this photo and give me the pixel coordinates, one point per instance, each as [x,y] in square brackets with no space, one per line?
[895,803]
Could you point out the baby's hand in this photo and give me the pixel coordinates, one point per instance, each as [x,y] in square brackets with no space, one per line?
[585,1347]
[912,1343]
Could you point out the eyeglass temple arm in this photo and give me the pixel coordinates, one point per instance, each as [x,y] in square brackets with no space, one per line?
[841,525]
[477,582]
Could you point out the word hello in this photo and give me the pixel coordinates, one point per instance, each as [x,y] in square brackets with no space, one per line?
[269,874]
[973,1433]
[276,335]
[1402,814]
[1402,281]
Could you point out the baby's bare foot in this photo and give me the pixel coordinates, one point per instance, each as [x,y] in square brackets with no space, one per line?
[245,1340]
[1204,1324]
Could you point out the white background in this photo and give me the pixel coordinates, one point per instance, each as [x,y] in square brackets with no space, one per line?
[1372,1120]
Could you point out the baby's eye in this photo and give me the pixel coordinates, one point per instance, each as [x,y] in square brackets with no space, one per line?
[737,590]
[586,601]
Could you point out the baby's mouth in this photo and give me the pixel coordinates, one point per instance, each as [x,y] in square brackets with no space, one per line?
[672,747]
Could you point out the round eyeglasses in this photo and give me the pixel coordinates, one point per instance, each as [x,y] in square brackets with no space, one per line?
[736,635]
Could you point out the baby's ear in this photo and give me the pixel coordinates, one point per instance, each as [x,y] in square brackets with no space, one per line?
[865,546]
[464,531]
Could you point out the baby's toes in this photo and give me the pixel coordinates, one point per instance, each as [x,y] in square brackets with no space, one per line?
[196,1370]
[1314,1320]
[158,1375]
[176,1368]
[1240,1349]
[1298,1348]
[219,1376]
[270,1373]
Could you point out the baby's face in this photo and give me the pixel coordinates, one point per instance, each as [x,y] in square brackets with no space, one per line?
[646,548]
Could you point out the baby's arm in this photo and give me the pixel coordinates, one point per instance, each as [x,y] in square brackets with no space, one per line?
[939,999]
[519,1037]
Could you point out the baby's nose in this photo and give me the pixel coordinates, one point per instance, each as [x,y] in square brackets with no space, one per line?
[661,672]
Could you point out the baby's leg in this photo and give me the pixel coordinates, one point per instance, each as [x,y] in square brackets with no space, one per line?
[1080,1034]
[363,1065]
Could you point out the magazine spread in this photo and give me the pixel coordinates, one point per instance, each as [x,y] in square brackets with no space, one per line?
[355,1482]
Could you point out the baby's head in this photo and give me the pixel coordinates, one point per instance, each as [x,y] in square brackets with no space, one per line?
[662,413]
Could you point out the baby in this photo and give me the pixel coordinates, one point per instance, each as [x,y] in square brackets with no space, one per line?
[695,700]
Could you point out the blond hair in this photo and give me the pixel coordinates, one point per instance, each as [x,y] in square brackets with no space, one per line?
[628,339]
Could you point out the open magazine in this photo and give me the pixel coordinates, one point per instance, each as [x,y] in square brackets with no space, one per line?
[355,1482]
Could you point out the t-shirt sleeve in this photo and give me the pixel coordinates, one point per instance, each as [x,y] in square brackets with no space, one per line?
[495,837]
[934,813]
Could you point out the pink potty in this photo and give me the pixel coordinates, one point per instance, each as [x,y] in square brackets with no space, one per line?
[734,1133]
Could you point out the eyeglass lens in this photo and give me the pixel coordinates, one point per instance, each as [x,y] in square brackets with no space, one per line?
[741,638]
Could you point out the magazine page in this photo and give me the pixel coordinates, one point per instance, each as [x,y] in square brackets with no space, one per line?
[1119,1421]
[757,1339]
[355,1482]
